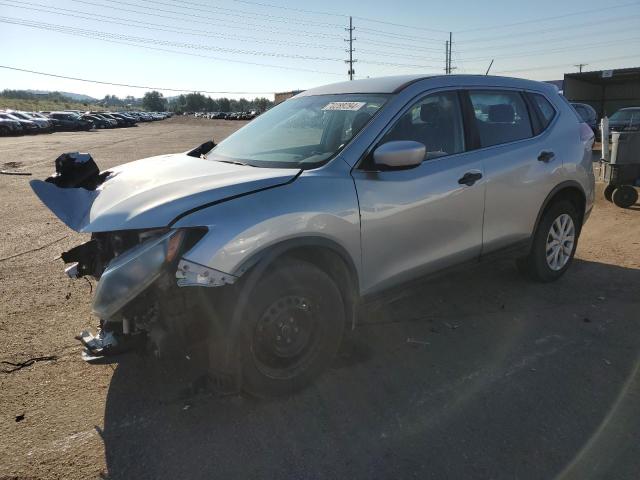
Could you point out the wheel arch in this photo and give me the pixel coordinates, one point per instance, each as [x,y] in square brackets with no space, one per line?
[325,254]
[568,190]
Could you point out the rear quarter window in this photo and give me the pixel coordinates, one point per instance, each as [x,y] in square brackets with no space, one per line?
[546,110]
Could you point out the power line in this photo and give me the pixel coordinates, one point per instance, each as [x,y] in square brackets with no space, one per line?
[193,6]
[403,46]
[401,36]
[539,31]
[168,28]
[130,38]
[190,15]
[128,85]
[271,5]
[398,55]
[547,51]
[400,25]
[209,57]
[544,19]
[317,12]
[550,67]
[158,26]
[257,27]
[199,16]
[106,36]
[510,45]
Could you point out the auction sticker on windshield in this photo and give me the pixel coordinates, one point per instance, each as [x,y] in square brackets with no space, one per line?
[349,106]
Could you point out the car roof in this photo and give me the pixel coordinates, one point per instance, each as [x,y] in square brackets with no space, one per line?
[396,83]
[630,108]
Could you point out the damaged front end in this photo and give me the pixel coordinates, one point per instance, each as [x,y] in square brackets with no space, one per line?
[139,298]
[140,272]
[154,254]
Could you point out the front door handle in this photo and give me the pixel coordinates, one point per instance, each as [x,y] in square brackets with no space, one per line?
[470,178]
[546,156]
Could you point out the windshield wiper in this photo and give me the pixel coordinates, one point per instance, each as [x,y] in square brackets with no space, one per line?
[234,162]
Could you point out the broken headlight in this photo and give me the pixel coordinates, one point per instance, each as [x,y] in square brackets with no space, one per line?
[130,273]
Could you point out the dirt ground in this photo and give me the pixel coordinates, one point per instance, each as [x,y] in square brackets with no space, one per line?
[477,375]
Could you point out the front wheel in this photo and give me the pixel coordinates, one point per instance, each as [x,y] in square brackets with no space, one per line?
[292,329]
[554,243]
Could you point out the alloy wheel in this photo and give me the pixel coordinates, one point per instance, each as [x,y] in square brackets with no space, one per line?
[560,242]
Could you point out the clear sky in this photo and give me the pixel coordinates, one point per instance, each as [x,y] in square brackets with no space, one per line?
[257,46]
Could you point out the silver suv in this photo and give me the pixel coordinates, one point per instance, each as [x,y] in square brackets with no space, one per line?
[266,244]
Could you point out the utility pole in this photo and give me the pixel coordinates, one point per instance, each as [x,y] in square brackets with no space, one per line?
[447,60]
[450,45]
[446,57]
[580,65]
[350,51]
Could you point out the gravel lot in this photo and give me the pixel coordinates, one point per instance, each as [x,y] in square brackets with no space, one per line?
[476,375]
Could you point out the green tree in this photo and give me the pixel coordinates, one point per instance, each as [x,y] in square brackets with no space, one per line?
[225,104]
[262,104]
[154,101]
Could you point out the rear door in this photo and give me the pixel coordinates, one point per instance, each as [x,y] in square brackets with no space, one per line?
[520,163]
[419,220]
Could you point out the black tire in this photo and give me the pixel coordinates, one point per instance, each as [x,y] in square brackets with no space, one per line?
[292,328]
[624,196]
[535,265]
[608,191]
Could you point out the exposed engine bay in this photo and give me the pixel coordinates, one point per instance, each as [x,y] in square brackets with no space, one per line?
[139,298]
[130,305]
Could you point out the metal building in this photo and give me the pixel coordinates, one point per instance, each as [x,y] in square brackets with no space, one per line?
[282,96]
[605,90]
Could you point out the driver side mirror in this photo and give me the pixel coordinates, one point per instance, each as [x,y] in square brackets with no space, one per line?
[400,154]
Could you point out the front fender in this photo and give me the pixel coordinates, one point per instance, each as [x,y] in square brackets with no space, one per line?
[320,207]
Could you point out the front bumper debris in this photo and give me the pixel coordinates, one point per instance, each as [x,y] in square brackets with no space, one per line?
[190,274]
[97,347]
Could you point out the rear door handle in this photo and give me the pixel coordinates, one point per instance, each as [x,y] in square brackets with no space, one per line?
[470,178]
[546,156]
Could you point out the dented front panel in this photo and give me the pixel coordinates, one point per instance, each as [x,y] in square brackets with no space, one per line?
[320,206]
[152,192]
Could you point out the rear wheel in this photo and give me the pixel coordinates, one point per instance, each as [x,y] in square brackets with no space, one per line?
[292,329]
[554,243]
[608,191]
[625,196]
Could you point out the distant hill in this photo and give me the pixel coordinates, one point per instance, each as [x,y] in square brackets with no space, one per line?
[78,97]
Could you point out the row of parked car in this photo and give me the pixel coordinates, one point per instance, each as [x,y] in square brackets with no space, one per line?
[14,122]
[624,120]
[227,115]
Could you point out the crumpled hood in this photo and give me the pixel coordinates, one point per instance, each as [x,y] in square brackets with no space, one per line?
[151,192]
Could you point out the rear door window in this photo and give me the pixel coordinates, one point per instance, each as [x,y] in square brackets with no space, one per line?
[501,117]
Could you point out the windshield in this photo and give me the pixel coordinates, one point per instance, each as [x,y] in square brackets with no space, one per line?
[626,116]
[9,116]
[300,133]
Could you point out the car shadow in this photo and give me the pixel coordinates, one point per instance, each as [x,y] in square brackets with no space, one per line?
[479,374]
